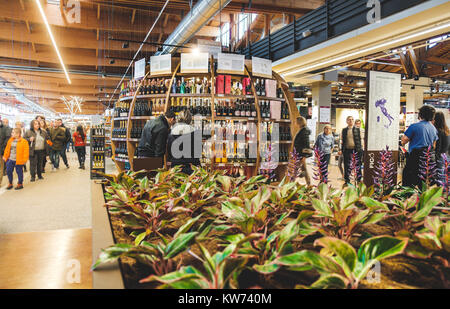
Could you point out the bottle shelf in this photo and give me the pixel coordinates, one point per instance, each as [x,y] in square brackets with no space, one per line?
[143,117]
[271,98]
[119,139]
[121,160]
[243,119]
[98,152]
[275,120]
[191,95]
[120,118]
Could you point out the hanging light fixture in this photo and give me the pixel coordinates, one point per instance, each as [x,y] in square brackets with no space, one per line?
[41,10]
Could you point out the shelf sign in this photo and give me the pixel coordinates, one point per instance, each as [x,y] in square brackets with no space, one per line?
[230,63]
[161,64]
[139,69]
[194,62]
[261,67]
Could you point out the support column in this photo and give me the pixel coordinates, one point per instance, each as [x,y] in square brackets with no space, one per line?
[321,95]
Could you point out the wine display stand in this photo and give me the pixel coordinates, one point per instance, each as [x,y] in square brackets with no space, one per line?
[97,151]
[124,160]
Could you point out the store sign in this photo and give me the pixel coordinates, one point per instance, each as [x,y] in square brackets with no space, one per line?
[382,127]
[261,67]
[194,63]
[161,64]
[139,69]
[230,64]
[325,114]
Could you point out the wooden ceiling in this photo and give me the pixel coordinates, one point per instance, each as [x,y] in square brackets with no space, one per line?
[89,47]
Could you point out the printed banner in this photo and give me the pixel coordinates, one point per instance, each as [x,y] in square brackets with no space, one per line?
[194,62]
[161,64]
[230,63]
[261,67]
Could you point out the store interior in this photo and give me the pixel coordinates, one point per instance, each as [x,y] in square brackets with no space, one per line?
[247,71]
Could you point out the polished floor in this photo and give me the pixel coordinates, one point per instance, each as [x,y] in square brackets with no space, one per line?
[60,201]
[59,259]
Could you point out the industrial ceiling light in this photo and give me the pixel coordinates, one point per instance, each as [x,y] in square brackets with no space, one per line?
[445,69]
[413,87]
[38,3]
[403,76]
[416,77]
[368,49]
[112,61]
[125,45]
[360,83]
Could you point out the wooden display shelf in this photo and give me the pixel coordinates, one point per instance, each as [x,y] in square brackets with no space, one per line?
[120,118]
[176,74]
[98,152]
[121,160]
[118,139]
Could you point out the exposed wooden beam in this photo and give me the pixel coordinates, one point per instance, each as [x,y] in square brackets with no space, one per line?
[404,63]
[22,5]
[34,47]
[414,61]
[133,15]
[27,23]
[98,34]
[98,12]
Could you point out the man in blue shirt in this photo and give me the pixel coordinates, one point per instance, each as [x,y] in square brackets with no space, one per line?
[420,136]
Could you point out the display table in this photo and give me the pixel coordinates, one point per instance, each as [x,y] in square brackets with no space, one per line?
[105,276]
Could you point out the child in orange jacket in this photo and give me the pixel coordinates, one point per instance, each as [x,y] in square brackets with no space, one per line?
[16,156]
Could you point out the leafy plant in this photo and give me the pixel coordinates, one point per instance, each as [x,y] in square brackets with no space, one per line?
[408,215]
[434,238]
[338,263]
[294,168]
[427,167]
[339,216]
[355,168]
[221,271]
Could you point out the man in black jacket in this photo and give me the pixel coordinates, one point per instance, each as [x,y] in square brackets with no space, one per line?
[5,135]
[68,138]
[351,142]
[153,142]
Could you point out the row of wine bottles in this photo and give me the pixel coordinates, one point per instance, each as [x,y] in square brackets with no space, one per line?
[98,161]
[224,84]
[120,130]
[98,130]
[196,106]
[121,151]
[153,107]
[235,108]
[98,144]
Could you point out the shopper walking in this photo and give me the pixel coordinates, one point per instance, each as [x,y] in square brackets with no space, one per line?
[8,132]
[79,140]
[442,145]
[351,143]
[44,127]
[184,145]
[153,142]
[66,143]
[16,156]
[325,143]
[302,146]
[5,135]
[37,139]
[58,139]
[420,136]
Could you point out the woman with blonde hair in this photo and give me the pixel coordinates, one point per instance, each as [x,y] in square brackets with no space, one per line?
[302,147]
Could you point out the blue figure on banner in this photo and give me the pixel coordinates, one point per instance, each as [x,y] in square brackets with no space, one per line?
[382,105]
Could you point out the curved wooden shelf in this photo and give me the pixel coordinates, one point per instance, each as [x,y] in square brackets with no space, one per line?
[287,97]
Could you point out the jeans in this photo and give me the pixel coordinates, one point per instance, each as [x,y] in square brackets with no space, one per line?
[81,153]
[440,169]
[348,153]
[54,157]
[10,165]
[36,162]
[326,158]
[412,171]
[63,155]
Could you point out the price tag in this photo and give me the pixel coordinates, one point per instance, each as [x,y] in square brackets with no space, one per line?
[261,67]
[139,68]
[161,64]
[194,62]
[230,64]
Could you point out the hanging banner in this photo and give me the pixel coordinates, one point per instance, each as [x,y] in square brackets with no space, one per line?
[383,110]
[161,65]
[230,63]
[325,114]
[139,69]
[261,67]
[194,63]
[382,125]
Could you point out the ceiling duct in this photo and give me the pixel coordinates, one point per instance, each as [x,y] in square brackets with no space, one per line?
[200,14]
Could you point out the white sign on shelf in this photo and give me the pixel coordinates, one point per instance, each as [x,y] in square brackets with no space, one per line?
[194,62]
[161,64]
[139,68]
[325,114]
[261,67]
[230,63]
[383,109]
